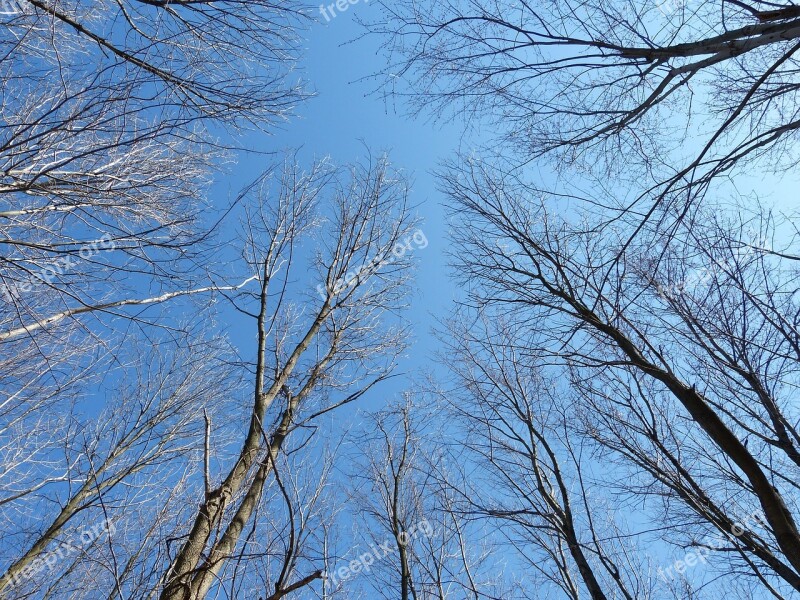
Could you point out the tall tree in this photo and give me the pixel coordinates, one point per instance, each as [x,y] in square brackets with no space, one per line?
[114,117]
[420,544]
[312,359]
[531,477]
[678,365]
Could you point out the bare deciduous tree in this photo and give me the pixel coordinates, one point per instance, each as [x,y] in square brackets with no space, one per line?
[113,117]
[408,464]
[681,361]
[68,469]
[670,94]
[531,478]
[192,432]
[310,358]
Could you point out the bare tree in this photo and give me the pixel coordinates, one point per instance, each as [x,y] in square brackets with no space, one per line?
[530,478]
[113,117]
[679,362]
[421,545]
[394,501]
[669,326]
[670,94]
[78,486]
[310,358]
[185,430]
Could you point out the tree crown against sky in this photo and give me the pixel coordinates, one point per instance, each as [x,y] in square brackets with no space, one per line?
[666,97]
[615,392]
